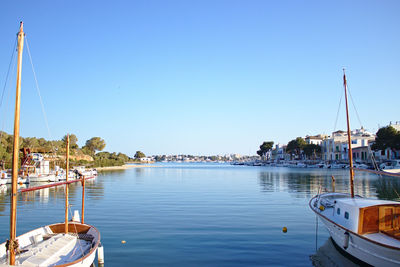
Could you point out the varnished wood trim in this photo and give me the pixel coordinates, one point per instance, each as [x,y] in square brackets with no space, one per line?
[72,228]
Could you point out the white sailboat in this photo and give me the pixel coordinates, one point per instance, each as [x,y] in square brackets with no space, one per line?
[368,229]
[392,166]
[60,244]
[37,169]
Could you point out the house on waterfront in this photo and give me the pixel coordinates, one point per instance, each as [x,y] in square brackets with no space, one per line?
[335,147]
[278,153]
[316,139]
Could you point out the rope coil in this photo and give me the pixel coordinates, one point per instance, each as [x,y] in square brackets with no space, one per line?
[12,245]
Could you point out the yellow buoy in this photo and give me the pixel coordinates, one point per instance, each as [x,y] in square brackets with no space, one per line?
[284,229]
[123,241]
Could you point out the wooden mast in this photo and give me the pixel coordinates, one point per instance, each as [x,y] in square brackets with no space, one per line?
[349,138]
[83,199]
[13,210]
[66,186]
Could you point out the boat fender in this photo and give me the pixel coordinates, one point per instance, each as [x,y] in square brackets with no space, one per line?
[346,240]
[321,208]
[100,255]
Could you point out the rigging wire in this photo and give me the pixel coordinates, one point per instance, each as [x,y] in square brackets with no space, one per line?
[38,90]
[76,230]
[376,167]
[8,72]
[12,62]
[338,111]
[354,106]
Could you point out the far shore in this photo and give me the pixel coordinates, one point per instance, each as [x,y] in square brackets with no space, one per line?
[124,167]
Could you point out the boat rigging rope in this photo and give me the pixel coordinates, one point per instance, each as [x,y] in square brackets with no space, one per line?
[354,106]
[8,72]
[337,114]
[76,230]
[12,62]
[38,90]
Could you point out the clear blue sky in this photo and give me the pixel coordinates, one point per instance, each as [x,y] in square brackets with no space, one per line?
[201,77]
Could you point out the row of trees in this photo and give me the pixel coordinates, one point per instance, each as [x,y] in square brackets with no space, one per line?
[92,147]
[295,147]
[299,146]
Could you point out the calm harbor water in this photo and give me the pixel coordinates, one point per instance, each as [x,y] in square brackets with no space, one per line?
[202,214]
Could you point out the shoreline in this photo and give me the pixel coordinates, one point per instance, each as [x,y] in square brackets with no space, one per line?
[124,167]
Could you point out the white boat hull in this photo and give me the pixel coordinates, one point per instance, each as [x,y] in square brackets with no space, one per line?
[392,170]
[43,178]
[360,246]
[20,180]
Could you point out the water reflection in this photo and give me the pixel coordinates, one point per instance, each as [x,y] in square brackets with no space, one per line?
[307,183]
[328,255]
[93,189]
[139,172]
[388,188]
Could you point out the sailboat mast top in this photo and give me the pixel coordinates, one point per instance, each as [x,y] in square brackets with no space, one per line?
[349,137]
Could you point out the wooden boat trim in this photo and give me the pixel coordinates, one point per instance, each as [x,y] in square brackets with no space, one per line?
[356,234]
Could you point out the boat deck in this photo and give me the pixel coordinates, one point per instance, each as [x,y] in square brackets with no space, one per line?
[56,249]
[384,239]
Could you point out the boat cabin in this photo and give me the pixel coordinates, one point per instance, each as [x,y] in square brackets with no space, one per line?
[381,218]
[367,216]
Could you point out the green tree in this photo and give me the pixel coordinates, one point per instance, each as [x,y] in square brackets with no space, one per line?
[387,137]
[265,148]
[123,157]
[295,146]
[139,154]
[30,142]
[95,144]
[312,150]
[72,141]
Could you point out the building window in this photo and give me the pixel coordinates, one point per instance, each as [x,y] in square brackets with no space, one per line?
[354,142]
[338,211]
[346,215]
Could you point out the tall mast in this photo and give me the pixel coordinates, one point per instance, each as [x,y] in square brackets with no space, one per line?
[13,212]
[349,137]
[66,186]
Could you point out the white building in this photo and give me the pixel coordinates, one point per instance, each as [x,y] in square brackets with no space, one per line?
[335,148]
[279,153]
[316,139]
